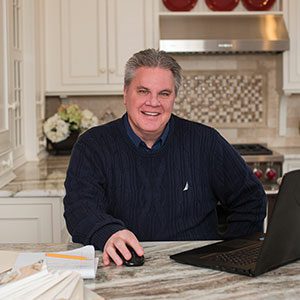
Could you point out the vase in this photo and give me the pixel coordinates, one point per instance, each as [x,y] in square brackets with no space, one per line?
[64,147]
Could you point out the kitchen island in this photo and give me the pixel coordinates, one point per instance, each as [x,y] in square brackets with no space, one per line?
[162,278]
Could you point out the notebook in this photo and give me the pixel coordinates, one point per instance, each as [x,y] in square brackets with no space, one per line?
[255,256]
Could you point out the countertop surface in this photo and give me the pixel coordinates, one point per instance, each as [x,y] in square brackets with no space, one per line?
[46,177]
[42,178]
[289,152]
[162,278]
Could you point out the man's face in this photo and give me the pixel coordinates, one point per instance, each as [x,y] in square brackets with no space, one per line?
[149,101]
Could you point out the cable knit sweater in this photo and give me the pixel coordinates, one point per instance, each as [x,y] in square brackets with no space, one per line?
[170,194]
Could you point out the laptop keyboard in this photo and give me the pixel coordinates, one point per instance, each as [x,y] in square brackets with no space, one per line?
[244,256]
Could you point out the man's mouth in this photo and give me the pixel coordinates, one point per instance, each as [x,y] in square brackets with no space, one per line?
[152,114]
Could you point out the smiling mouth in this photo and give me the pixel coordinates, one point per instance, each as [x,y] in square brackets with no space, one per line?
[152,114]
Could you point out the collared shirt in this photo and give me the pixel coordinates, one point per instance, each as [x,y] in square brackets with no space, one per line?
[138,142]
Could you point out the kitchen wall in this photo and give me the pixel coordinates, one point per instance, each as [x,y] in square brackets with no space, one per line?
[240,95]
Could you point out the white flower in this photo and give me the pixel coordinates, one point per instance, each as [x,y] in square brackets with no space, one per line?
[69,118]
[56,129]
[88,119]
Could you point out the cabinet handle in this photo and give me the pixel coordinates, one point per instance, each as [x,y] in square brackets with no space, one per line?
[13,105]
[6,163]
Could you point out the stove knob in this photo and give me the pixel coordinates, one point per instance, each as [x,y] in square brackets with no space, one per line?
[271,174]
[258,173]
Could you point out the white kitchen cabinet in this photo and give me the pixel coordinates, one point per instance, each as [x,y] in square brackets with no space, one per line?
[291,58]
[32,220]
[291,164]
[87,43]
[6,161]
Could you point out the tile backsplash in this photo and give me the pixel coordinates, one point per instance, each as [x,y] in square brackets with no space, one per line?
[228,99]
[239,95]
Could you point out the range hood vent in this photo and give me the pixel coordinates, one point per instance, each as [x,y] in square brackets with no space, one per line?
[213,34]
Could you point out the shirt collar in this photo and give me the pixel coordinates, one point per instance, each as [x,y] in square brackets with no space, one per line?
[138,142]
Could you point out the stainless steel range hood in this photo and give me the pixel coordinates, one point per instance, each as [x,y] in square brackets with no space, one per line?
[221,33]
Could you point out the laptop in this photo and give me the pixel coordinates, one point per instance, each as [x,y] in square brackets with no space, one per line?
[255,256]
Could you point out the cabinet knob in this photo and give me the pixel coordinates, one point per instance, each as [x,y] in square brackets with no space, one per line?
[112,70]
[102,70]
[271,174]
[13,105]
[258,173]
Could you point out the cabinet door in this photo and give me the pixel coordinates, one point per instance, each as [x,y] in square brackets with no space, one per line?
[83,32]
[291,165]
[4,133]
[130,29]
[291,58]
[6,163]
[30,220]
[87,43]
[16,79]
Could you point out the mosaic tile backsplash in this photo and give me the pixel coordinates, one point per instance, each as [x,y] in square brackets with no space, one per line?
[222,99]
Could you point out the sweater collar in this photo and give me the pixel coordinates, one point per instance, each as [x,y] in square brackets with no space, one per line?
[138,142]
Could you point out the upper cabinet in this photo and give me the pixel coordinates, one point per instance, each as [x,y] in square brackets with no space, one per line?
[87,43]
[291,58]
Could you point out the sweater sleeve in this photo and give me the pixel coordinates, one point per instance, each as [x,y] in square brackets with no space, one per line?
[85,202]
[239,191]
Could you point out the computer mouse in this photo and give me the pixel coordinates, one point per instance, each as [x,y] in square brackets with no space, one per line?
[135,259]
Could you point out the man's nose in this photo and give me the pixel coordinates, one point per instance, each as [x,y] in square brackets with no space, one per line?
[153,100]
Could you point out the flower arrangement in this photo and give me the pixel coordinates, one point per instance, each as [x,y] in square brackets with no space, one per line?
[69,118]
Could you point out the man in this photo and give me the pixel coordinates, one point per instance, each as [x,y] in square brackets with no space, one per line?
[153,176]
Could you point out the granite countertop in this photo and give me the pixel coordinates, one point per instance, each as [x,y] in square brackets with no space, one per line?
[45,178]
[162,278]
[289,152]
[38,178]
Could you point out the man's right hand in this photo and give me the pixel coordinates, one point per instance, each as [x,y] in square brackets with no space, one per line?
[119,240]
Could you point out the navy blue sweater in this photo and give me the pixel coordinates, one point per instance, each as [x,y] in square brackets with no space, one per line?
[170,194]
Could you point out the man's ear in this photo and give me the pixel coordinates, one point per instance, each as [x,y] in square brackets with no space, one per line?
[124,95]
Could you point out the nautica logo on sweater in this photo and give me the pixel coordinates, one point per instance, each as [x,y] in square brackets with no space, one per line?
[186,187]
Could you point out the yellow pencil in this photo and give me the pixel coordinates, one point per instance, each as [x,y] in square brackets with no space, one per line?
[66,256]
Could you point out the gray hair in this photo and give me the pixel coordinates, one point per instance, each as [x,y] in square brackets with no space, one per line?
[152,58]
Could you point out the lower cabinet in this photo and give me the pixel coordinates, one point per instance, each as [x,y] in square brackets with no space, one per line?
[32,220]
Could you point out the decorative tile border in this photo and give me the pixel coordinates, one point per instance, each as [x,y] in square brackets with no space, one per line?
[228,99]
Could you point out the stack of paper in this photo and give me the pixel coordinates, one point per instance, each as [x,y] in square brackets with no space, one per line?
[81,260]
[36,282]
[49,275]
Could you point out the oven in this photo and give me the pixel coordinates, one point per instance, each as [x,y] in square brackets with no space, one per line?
[265,163]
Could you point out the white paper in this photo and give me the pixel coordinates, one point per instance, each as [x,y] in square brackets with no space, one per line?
[35,281]
[87,268]
[7,260]
[18,285]
[52,283]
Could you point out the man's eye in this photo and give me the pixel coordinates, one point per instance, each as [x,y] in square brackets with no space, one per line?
[143,92]
[165,94]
